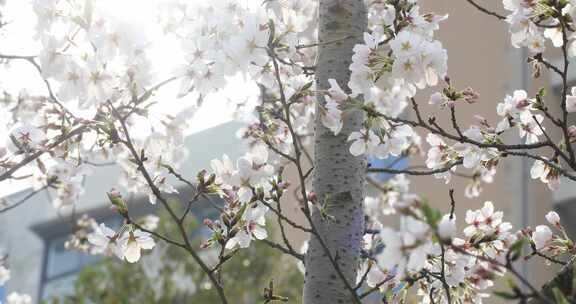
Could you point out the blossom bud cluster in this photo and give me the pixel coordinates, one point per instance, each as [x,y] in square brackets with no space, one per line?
[532,23]
[469,262]
[125,244]
[244,187]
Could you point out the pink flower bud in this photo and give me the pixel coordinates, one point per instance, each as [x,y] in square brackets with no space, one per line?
[553,218]
[312,197]
[115,193]
[470,95]
[208,222]
[284,185]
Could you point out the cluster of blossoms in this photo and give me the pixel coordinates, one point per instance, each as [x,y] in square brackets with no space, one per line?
[99,239]
[124,244]
[246,189]
[100,65]
[544,240]
[415,58]
[516,110]
[482,161]
[61,174]
[94,55]
[533,21]
[387,78]
[395,195]
[92,62]
[428,244]
[127,243]
[101,85]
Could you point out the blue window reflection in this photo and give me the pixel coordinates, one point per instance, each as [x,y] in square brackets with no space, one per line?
[391,162]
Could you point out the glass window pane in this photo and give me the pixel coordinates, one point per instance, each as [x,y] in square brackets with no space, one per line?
[391,162]
[60,260]
[59,287]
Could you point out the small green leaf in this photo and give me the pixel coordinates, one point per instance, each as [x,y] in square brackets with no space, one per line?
[432,215]
[506,295]
[559,297]
[117,201]
[541,92]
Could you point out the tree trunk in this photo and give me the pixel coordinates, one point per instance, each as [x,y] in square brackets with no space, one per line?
[338,176]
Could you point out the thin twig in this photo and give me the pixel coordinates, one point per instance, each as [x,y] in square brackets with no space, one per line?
[188,246]
[285,250]
[486,11]
[25,199]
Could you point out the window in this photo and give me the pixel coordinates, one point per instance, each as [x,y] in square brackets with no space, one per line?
[391,162]
[61,265]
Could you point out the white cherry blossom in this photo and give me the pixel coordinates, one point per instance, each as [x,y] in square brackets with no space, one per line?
[106,240]
[542,236]
[362,142]
[546,173]
[447,227]
[133,242]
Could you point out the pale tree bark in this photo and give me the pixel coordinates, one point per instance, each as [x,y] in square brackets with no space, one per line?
[338,175]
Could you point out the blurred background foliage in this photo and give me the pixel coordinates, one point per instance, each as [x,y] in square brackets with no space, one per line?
[168,274]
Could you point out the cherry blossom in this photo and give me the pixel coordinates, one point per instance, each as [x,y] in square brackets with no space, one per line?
[530,126]
[447,227]
[546,173]
[332,116]
[25,138]
[363,142]
[133,242]
[542,236]
[105,240]
[413,236]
